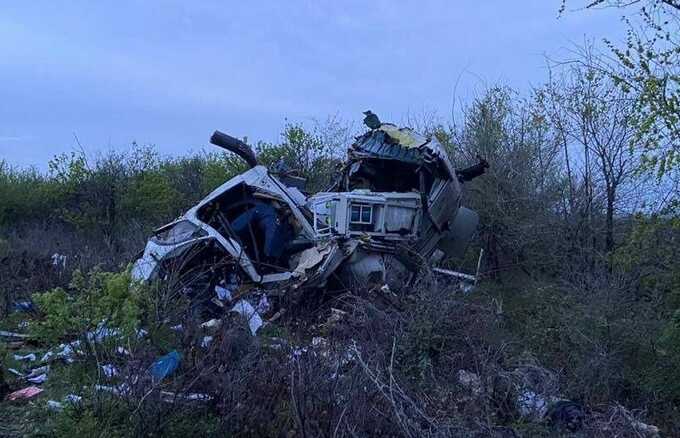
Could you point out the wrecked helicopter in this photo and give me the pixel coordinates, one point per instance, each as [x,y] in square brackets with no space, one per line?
[394,207]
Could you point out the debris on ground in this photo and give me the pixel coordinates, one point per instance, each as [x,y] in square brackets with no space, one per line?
[26,357]
[69,400]
[245,309]
[65,352]
[25,393]
[13,336]
[23,306]
[15,372]
[109,370]
[165,366]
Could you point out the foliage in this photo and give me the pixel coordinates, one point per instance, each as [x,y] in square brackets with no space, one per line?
[92,301]
[605,321]
[646,66]
[303,152]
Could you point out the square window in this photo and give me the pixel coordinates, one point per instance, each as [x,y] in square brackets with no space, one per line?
[361,214]
[366,215]
[356,213]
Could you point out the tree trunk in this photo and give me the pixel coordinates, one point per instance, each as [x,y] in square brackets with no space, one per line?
[609,239]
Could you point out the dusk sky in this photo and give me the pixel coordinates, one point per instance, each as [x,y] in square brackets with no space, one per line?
[171,72]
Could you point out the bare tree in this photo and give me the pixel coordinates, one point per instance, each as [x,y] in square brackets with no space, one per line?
[591,117]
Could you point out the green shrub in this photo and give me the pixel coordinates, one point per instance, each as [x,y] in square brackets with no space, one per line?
[90,300]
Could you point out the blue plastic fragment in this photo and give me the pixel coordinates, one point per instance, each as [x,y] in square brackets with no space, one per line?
[23,306]
[165,365]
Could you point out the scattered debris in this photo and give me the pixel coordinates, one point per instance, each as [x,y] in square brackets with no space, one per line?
[55,406]
[532,406]
[27,357]
[15,372]
[40,379]
[59,262]
[212,324]
[123,351]
[226,288]
[109,371]
[13,336]
[172,397]
[165,366]
[246,309]
[73,399]
[102,332]
[207,340]
[25,393]
[23,306]
[36,372]
[66,352]
[119,390]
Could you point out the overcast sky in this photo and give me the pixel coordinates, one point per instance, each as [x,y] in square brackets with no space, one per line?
[170,72]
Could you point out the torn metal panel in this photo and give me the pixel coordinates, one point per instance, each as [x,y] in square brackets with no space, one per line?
[442,203]
[456,239]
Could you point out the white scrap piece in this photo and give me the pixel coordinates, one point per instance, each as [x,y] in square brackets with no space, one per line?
[109,370]
[171,397]
[532,405]
[121,389]
[12,335]
[213,323]
[69,350]
[207,340]
[15,372]
[455,274]
[310,258]
[27,357]
[55,406]
[59,261]
[47,356]
[123,351]
[247,310]
[263,305]
[101,333]
[35,372]
[38,379]
[66,352]
[223,294]
[73,399]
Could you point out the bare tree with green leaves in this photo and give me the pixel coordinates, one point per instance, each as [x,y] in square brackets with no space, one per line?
[592,120]
[646,66]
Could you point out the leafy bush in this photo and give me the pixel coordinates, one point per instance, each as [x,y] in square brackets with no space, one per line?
[91,300]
